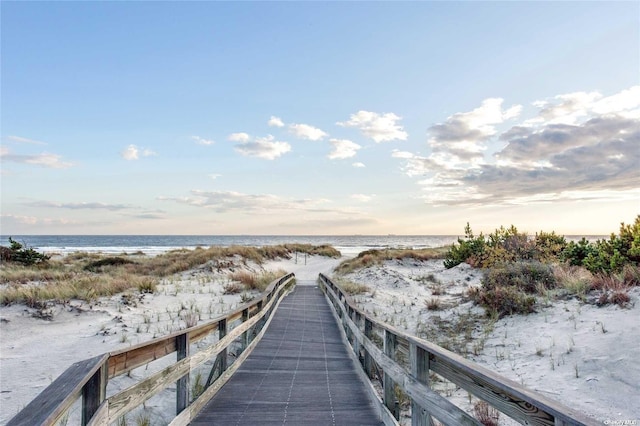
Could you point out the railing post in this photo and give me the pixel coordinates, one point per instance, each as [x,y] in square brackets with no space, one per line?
[419,359]
[182,385]
[245,335]
[355,317]
[222,356]
[368,332]
[390,343]
[94,392]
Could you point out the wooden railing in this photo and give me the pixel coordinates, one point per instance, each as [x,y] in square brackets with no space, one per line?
[87,380]
[407,361]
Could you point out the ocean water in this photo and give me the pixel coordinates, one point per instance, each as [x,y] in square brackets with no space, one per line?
[155,244]
[349,245]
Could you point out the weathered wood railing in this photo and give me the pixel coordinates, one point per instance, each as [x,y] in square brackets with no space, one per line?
[88,379]
[517,402]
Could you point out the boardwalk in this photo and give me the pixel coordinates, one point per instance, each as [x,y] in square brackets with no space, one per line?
[300,373]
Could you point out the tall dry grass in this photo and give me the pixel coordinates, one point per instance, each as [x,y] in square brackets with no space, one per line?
[376,257]
[86,276]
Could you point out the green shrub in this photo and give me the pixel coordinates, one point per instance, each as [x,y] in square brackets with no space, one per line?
[525,276]
[467,248]
[21,253]
[501,301]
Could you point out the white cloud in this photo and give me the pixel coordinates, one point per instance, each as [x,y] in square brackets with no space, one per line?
[358,165]
[363,197]
[305,131]
[45,159]
[275,122]
[214,176]
[266,148]
[464,135]
[239,137]
[132,152]
[202,141]
[80,206]
[232,201]
[343,148]
[379,127]
[582,147]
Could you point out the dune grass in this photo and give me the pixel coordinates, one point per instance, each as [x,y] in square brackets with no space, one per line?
[87,276]
[376,257]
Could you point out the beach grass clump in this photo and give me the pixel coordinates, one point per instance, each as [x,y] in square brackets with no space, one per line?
[253,281]
[373,257]
[351,287]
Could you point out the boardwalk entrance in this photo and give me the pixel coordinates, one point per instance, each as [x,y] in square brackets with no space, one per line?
[299,373]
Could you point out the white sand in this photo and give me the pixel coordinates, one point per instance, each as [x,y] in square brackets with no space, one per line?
[583,356]
[544,351]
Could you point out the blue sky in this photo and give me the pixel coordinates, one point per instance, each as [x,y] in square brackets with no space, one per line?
[319,118]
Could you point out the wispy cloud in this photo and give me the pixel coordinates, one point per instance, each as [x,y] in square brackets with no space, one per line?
[20,139]
[266,148]
[358,165]
[79,206]
[214,176]
[239,137]
[379,127]
[33,220]
[275,122]
[305,131]
[343,148]
[581,146]
[202,141]
[45,159]
[230,201]
[133,152]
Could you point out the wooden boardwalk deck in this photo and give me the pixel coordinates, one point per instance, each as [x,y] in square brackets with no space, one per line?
[300,373]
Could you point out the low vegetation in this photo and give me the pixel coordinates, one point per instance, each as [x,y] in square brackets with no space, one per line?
[32,278]
[376,257]
[520,269]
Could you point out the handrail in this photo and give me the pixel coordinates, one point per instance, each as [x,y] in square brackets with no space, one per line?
[88,379]
[521,404]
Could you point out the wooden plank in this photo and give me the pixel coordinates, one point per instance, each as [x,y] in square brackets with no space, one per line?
[125,360]
[51,404]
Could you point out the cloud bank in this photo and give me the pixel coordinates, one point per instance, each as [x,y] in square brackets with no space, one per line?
[579,146]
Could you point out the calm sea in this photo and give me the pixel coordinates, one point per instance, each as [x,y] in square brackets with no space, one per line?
[154,244]
[349,245]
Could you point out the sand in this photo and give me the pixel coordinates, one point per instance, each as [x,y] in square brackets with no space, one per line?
[581,355]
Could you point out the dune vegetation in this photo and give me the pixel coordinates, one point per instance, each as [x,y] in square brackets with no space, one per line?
[33,278]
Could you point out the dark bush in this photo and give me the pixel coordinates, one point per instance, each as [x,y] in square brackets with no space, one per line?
[501,301]
[525,276]
[98,265]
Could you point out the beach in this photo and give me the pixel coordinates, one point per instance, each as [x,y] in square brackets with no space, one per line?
[581,355]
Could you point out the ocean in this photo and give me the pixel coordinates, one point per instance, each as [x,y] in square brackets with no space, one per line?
[348,245]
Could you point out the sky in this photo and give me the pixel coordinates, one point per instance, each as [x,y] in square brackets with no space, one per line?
[319,118]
